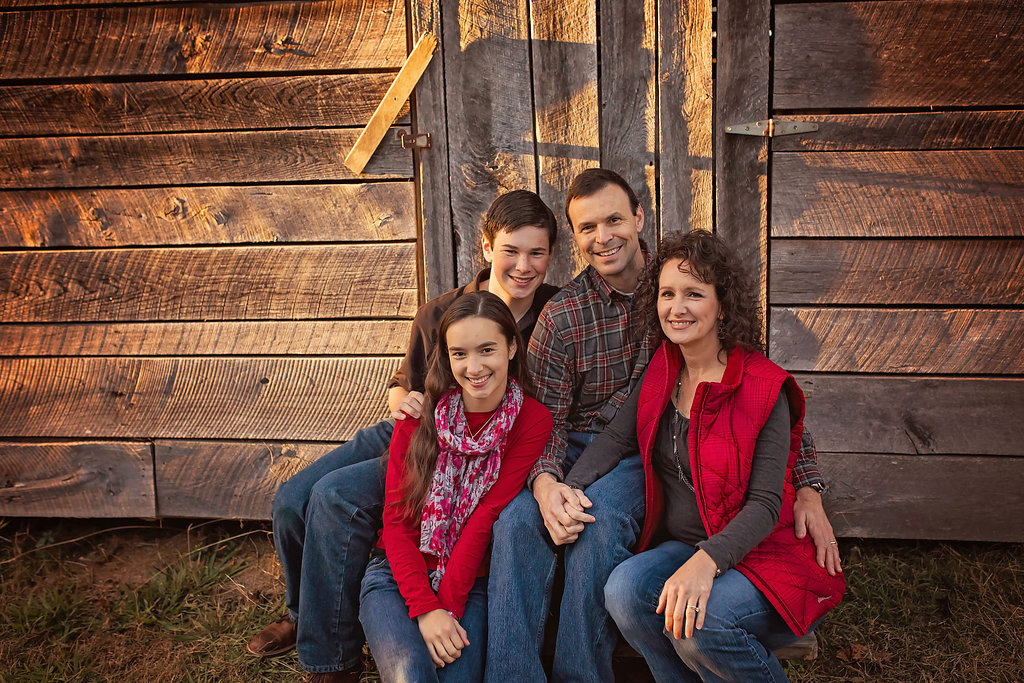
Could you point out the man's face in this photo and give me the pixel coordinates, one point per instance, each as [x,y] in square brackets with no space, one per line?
[519,261]
[606,231]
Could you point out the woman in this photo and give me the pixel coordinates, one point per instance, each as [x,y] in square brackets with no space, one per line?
[424,606]
[718,426]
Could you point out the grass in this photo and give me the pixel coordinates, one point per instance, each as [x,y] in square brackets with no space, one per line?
[173,601]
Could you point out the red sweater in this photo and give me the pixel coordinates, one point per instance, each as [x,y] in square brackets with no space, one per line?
[401,541]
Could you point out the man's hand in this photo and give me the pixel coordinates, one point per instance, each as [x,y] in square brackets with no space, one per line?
[411,405]
[562,508]
[684,598]
[443,635]
[810,516]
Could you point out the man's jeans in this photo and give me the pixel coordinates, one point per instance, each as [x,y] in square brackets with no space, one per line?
[741,628]
[395,639]
[523,565]
[326,519]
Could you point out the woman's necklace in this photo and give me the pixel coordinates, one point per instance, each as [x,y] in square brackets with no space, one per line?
[476,435]
[676,430]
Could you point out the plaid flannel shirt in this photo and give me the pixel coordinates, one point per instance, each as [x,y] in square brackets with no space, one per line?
[805,470]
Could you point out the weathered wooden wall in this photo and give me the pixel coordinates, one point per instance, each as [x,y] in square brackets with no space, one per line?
[196,295]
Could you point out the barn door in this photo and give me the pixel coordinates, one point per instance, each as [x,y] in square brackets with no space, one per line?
[891,244]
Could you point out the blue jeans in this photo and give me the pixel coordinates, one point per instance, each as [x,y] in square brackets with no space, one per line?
[523,563]
[326,519]
[395,640]
[741,628]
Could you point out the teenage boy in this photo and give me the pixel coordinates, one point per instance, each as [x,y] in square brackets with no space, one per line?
[583,356]
[326,517]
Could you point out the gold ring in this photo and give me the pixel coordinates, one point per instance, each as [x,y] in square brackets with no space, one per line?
[832,543]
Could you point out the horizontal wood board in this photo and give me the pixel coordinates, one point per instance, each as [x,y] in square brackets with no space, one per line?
[916,53]
[79,479]
[317,399]
[208,38]
[915,415]
[209,283]
[949,273]
[301,101]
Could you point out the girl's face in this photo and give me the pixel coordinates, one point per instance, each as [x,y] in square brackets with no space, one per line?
[688,308]
[479,356]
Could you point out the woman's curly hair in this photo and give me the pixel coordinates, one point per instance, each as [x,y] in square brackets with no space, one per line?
[711,261]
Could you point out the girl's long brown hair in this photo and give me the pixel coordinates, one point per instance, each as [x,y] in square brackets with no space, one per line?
[422,455]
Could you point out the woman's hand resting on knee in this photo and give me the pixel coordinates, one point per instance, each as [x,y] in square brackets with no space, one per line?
[685,595]
[443,635]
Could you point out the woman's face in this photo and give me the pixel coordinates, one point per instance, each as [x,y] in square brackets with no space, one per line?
[688,309]
[479,356]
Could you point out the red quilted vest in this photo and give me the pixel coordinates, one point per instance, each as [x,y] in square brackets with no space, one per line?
[725,420]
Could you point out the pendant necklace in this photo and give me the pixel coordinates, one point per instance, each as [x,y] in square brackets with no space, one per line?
[676,430]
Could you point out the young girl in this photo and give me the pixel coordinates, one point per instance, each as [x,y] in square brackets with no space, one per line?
[423,606]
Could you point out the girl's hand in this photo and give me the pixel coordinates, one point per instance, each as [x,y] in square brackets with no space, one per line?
[443,635]
[685,595]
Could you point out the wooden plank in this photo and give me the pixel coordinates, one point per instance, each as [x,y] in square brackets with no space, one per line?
[487,84]
[944,272]
[280,337]
[203,39]
[918,131]
[922,53]
[431,116]
[958,341]
[208,215]
[391,104]
[685,103]
[226,479]
[741,162]
[915,415]
[191,105]
[230,283]
[898,194]
[948,498]
[191,158]
[564,46]
[318,399]
[629,110]
[81,479]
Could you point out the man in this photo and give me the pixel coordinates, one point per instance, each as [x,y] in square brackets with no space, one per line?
[326,517]
[584,357]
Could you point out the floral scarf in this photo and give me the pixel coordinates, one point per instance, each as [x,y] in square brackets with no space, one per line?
[466,469]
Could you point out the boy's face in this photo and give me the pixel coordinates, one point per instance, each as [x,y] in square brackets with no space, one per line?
[606,230]
[519,261]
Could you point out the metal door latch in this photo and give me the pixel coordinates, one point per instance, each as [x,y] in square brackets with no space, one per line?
[408,140]
[772,128]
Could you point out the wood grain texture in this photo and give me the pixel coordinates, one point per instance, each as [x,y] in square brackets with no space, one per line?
[898,194]
[915,131]
[487,84]
[192,105]
[948,498]
[564,46]
[899,54]
[249,338]
[915,415]
[81,479]
[231,283]
[203,39]
[944,272]
[191,158]
[959,341]
[318,399]
[629,110]
[208,215]
[741,162]
[685,88]
[431,116]
[229,480]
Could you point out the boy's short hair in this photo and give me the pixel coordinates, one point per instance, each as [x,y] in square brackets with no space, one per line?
[592,181]
[517,209]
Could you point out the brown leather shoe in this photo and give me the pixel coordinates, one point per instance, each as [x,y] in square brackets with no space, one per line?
[275,639]
[350,676]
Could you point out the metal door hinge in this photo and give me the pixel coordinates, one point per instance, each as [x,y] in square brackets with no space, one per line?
[772,128]
[408,140]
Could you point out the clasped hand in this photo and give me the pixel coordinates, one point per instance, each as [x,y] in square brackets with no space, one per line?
[443,635]
[563,509]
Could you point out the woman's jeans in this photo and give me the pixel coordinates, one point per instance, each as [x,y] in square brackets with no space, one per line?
[326,519]
[741,628]
[395,639]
